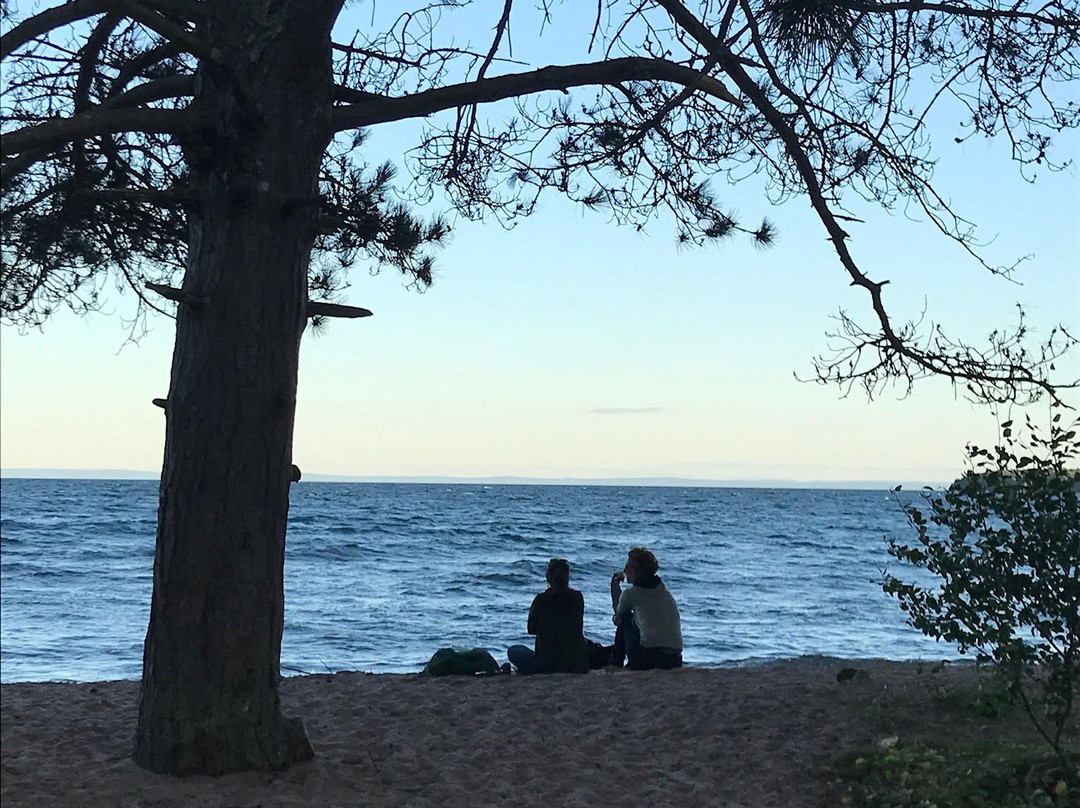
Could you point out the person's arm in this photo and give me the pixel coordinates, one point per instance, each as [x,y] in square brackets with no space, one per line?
[616,589]
[533,617]
[624,607]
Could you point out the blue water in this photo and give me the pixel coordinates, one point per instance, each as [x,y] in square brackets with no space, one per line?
[378,576]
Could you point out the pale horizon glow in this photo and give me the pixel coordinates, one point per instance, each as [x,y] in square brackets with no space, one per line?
[571,348]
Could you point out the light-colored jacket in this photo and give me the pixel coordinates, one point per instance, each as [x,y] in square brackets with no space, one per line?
[656,615]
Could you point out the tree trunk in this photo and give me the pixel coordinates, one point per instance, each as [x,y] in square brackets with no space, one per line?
[209,700]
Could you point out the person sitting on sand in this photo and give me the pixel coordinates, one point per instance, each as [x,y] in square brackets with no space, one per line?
[557,619]
[649,629]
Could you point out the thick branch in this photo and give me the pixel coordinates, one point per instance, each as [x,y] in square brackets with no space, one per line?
[349,95]
[318,308]
[157,90]
[98,121]
[76,10]
[176,295]
[954,10]
[133,67]
[164,199]
[561,78]
[88,57]
[176,34]
[47,21]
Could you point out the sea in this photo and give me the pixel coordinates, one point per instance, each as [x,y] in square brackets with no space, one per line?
[380,576]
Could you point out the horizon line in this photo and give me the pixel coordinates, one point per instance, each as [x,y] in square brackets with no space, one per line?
[499,479]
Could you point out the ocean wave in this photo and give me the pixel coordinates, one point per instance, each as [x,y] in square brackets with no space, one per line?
[379,576]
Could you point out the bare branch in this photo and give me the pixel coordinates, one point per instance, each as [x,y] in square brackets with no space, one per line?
[49,20]
[98,121]
[157,90]
[159,23]
[176,295]
[837,100]
[985,372]
[149,196]
[88,58]
[178,86]
[319,308]
[76,10]
[560,78]
[962,10]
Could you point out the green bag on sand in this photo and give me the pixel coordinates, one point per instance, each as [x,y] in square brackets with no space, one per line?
[450,661]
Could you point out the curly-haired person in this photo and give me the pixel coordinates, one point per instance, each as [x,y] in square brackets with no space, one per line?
[649,630]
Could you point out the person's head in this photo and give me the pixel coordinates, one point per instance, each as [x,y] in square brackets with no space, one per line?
[558,573]
[641,564]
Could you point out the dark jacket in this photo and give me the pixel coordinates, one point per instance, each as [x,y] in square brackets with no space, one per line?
[557,618]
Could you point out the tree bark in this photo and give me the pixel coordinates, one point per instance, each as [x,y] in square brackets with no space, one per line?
[209,700]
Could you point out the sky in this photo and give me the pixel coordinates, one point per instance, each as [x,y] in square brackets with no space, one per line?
[571,348]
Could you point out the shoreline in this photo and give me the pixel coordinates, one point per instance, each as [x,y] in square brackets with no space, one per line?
[748,662]
[764,735]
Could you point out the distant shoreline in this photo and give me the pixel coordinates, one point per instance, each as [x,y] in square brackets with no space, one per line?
[647,482]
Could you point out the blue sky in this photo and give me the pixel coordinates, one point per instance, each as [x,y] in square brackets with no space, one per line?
[569,347]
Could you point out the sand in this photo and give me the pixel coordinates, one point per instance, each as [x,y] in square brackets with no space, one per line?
[752,736]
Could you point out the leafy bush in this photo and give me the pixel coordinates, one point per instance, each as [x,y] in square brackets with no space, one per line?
[990,774]
[1004,540]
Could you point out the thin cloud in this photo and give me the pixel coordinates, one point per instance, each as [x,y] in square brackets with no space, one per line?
[626,410]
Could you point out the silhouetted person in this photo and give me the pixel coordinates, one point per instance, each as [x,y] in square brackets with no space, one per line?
[557,619]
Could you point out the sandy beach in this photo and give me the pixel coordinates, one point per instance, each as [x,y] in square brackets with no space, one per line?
[752,736]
